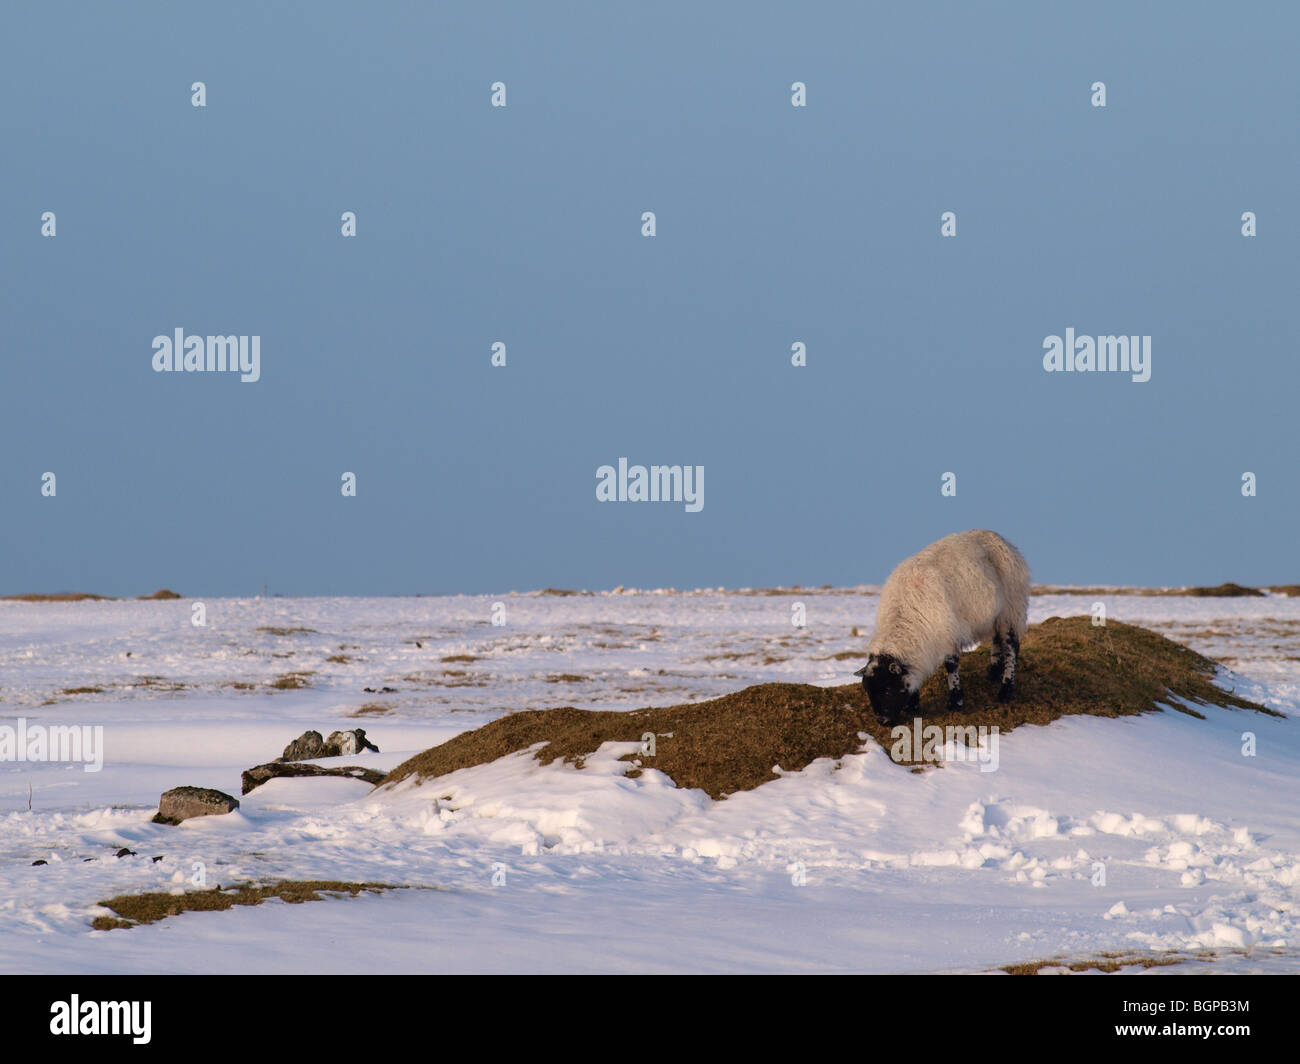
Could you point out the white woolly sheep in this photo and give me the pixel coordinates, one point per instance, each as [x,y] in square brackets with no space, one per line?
[958,591]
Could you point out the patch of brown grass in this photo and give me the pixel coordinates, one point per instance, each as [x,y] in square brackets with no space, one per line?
[291,681]
[136,909]
[81,691]
[159,683]
[371,709]
[566,677]
[1228,590]
[286,631]
[59,596]
[459,657]
[339,659]
[732,743]
[1103,962]
[162,594]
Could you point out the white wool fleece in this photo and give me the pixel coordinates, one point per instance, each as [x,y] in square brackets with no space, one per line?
[957,591]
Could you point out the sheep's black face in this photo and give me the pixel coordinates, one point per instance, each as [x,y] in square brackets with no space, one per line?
[885,678]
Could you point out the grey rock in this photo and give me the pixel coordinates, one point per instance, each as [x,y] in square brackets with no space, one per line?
[308,745]
[183,803]
[259,774]
[349,743]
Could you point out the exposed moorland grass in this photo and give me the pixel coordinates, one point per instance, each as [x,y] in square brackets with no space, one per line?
[291,681]
[1228,590]
[1102,962]
[136,909]
[86,596]
[1068,666]
[60,596]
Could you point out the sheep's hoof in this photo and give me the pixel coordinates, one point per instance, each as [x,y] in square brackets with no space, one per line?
[1005,693]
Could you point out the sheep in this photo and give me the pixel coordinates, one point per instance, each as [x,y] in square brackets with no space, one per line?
[958,591]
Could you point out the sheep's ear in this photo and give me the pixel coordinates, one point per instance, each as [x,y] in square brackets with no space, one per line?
[896,668]
[867,669]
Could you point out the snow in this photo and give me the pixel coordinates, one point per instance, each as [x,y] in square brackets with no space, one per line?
[854,865]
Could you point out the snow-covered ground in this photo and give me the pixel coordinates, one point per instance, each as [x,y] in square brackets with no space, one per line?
[863,867]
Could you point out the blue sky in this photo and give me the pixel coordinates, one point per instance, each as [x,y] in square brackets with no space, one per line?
[522,224]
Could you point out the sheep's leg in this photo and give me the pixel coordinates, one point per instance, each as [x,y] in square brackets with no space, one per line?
[1011,651]
[996,654]
[951,664]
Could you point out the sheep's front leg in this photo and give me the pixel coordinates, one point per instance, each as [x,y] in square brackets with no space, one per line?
[951,664]
[1010,651]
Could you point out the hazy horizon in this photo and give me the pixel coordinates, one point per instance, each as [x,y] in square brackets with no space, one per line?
[1039,587]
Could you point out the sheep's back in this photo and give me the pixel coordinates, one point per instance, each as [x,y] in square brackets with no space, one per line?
[950,594]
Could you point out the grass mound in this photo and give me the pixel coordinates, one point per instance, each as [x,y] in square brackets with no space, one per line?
[136,909]
[58,596]
[1228,590]
[730,744]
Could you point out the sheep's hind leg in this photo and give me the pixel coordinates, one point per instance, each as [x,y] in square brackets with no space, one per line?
[996,654]
[1012,650]
[951,664]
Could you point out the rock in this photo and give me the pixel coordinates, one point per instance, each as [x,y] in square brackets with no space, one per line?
[183,803]
[308,745]
[35,863]
[349,743]
[259,774]
[124,852]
